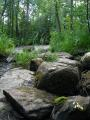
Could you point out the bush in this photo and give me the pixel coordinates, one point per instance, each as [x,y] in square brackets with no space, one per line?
[6,45]
[83,40]
[55,41]
[24,58]
[70,41]
[62,41]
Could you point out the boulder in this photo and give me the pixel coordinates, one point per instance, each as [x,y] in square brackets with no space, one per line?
[65,55]
[85,60]
[16,77]
[13,78]
[84,84]
[67,61]
[58,78]
[49,56]
[30,103]
[26,101]
[75,108]
[35,63]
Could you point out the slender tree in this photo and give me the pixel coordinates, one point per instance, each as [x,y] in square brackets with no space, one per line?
[58,23]
[71,25]
[17,19]
[88,19]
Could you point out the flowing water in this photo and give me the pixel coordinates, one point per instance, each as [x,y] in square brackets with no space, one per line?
[4,67]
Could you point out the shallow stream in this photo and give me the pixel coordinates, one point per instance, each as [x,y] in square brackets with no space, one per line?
[4,67]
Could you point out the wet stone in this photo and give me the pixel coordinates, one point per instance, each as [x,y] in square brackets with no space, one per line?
[16,77]
[30,102]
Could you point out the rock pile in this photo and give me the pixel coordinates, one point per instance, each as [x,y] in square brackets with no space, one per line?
[64,77]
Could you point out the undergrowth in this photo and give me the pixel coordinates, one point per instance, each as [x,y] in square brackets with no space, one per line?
[6,45]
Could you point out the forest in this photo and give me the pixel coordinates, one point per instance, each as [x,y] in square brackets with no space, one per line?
[63,24]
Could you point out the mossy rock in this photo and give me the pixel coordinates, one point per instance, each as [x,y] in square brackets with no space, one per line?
[60,100]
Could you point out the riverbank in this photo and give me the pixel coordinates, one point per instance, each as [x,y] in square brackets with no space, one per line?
[34,94]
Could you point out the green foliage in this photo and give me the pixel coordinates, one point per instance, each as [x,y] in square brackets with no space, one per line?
[50,57]
[70,41]
[60,100]
[62,41]
[34,26]
[6,45]
[83,40]
[24,58]
[21,42]
[55,41]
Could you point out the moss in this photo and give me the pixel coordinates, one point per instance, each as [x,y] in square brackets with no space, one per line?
[25,89]
[36,93]
[60,100]
[39,76]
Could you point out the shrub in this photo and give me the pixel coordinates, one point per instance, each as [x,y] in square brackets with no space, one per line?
[83,40]
[6,45]
[55,41]
[70,41]
[24,58]
[62,41]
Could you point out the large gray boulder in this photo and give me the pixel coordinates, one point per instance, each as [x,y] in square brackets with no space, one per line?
[16,77]
[65,55]
[85,60]
[30,103]
[74,108]
[58,78]
[70,62]
[12,79]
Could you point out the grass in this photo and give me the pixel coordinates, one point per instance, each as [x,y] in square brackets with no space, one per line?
[6,45]
[70,41]
[50,57]
[24,58]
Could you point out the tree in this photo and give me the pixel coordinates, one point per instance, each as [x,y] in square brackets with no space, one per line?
[88,19]
[58,23]
[71,15]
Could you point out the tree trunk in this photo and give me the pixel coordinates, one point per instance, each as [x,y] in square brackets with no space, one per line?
[71,25]
[87,5]
[57,17]
[17,11]
[27,18]
[12,18]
